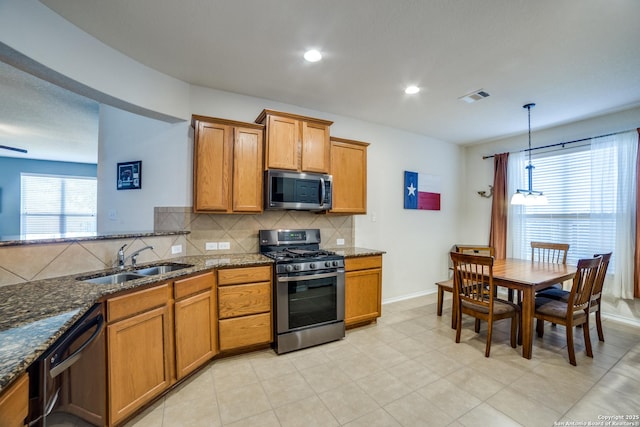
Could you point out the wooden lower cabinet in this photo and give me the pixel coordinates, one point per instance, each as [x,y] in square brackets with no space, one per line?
[244,307]
[14,403]
[139,349]
[363,289]
[196,328]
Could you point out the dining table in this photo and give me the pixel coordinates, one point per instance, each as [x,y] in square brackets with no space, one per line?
[527,277]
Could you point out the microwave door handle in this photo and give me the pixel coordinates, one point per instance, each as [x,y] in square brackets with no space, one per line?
[61,366]
[322,193]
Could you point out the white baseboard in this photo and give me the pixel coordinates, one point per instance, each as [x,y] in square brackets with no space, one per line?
[620,319]
[408,296]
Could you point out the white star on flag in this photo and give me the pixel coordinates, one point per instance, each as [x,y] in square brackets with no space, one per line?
[412,190]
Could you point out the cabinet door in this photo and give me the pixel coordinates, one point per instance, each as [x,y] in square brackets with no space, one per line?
[195,328]
[139,354]
[283,141]
[315,147]
[212,167]
[14,403]
[349,170]
[363,290]
[247,170]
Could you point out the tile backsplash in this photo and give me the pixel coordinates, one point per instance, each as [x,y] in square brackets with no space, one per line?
[24,263]
[241,231]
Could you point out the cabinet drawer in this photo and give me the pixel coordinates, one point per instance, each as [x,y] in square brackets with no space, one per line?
[234,276]
[137,302]
[240,300]
[363,263]
[245,331]
[193,285]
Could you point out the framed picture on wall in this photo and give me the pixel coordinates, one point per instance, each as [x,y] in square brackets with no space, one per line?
[129,175]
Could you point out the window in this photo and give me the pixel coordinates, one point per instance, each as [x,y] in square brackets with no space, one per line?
[591,206]
[53,205]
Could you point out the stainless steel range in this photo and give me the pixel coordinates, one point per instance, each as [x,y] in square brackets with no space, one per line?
[308,289]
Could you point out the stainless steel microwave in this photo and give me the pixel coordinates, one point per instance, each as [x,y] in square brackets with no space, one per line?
[297,190]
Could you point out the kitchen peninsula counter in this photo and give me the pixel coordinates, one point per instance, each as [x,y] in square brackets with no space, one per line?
[35,314]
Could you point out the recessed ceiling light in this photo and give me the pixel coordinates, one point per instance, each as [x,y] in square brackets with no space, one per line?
[412,90]
[312,55]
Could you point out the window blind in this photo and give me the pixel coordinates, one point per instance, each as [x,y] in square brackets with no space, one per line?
[582,203]
[53,205]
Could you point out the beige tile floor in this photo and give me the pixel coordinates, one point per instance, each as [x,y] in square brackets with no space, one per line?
[407,370]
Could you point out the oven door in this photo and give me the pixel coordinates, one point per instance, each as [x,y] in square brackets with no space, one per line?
[309,299]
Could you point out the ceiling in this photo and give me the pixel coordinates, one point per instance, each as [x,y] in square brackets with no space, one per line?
[574,58]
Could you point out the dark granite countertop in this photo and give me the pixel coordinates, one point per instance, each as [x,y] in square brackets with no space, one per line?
[34,315]
[81,237]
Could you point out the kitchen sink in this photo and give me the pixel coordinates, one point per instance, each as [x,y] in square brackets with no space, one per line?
[161,269]
[124,276]
[112,279]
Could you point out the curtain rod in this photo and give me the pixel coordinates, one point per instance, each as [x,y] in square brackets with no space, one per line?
[560,143]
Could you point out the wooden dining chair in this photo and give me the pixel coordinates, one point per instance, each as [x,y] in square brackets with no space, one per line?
[474,293]
[554,253]
[596,293]
[447,285]
[573,312]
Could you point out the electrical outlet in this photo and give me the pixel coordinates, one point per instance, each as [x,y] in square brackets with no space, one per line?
[176,249]
[340,242]
[224,245]
[113,214]
[211,246]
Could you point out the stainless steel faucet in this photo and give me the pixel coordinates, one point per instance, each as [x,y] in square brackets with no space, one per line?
[122,259]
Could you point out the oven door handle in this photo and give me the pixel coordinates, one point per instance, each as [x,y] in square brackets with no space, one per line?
[308,276]
[59,366]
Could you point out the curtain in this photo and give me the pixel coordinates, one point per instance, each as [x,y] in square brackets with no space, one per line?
[617,156]
[499,206]
[636,258]
[516,180]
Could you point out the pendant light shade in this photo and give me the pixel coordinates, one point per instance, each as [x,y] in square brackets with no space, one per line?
[529,197]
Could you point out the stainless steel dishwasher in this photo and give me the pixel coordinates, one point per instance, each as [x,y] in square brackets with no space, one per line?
[67,383]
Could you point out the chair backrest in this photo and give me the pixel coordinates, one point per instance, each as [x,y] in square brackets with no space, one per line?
[475,250]
[596,293]
[555,253]
[471,275]
[583,281]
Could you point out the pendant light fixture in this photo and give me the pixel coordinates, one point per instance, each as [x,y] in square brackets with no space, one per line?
[529,197]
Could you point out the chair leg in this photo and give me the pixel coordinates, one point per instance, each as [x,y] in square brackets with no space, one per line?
[570,347]
[587,338]
[477,327]
[599,325]
[540,327]
[514,327]
[458,325]
[440,300]
[454,314]
[487,349]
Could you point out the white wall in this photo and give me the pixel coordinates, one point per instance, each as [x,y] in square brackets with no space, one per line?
[166,153]
[476,217]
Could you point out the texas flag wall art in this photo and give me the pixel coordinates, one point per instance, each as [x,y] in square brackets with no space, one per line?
[421,191]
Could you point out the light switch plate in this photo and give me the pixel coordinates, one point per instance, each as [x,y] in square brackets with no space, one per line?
[211,246]
[224,245]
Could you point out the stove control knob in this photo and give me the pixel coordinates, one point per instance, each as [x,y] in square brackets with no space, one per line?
[296,267]
[312,265]
[327,263]
[335,263]
[289,268]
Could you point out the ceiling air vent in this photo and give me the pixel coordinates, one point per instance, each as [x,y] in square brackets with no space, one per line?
[474,96]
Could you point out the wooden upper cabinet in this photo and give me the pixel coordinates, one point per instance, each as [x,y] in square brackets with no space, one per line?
[247,191]
[349,170]
[227,166]
[296,143]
